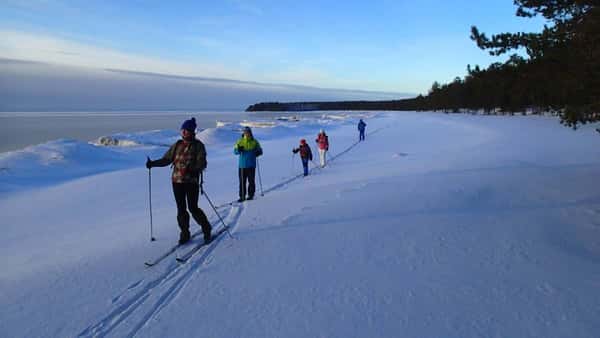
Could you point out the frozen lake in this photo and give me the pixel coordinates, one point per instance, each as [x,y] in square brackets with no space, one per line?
[21,129]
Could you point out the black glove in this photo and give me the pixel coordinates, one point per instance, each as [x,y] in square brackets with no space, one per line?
[240,148]
[148,163]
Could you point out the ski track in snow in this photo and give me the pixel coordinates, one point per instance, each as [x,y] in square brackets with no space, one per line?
[161,287]
[158,292]
[466,218]
[316,168]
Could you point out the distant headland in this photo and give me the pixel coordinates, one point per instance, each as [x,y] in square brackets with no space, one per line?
[403,104]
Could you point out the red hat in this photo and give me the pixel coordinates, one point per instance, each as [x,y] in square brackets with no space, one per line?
[302,141]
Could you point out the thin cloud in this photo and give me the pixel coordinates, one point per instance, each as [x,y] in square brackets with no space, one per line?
[25,46]
[279,86]
[34,86]
[308,76]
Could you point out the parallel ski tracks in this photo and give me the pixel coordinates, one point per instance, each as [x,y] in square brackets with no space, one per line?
[160,291]
[312,170]
[142,306]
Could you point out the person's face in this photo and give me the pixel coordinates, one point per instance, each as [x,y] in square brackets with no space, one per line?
[247,134]
[185,133]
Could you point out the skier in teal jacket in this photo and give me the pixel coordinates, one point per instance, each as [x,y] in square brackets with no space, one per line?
[248,149]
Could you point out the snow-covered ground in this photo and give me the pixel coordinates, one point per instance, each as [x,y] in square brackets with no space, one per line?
[436,226]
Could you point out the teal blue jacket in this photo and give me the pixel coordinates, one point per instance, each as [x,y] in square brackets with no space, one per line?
[248,149]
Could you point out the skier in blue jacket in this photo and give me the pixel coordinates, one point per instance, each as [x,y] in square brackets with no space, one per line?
[361,130]
[248,150]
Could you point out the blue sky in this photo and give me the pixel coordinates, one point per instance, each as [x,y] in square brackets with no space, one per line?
[390,46]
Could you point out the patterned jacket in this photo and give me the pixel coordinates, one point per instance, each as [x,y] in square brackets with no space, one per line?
[188,159]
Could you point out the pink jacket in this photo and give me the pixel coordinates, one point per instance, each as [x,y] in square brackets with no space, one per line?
[323,141]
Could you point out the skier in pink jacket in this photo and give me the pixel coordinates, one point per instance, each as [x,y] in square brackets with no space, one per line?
[323,144]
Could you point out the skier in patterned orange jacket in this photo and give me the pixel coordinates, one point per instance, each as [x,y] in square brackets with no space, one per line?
[188,157]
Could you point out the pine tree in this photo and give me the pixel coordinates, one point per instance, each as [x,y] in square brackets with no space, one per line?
[564,59]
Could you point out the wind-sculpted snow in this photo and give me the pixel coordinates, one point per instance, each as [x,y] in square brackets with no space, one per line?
[162,138]
[59,161]
[437,225]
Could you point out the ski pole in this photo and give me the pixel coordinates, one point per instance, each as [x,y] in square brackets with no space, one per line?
[216,212]
[259,178]
[152,239]
[213,207]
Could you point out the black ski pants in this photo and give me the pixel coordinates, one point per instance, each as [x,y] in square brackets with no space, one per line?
[247,175]
[189,192]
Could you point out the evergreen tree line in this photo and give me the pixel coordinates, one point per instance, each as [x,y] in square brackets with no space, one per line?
[560,72]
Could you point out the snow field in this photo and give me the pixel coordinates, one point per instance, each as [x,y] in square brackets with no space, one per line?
[437,225]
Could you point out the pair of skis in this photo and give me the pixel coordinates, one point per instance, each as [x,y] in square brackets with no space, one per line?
[185,257]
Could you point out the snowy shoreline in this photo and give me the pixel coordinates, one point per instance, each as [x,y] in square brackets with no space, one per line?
[61,160]
[437,225]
